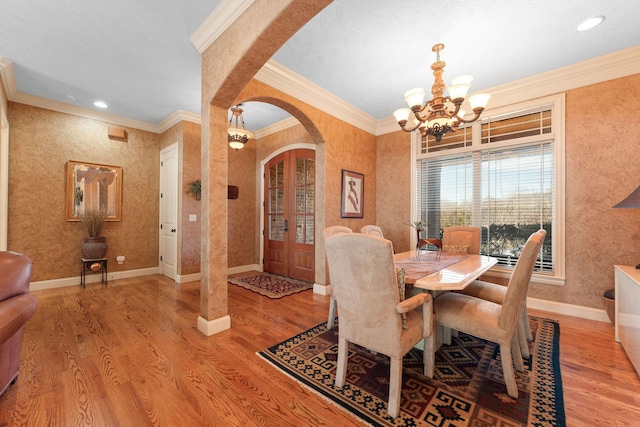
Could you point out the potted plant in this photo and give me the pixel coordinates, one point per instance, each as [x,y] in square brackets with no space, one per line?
[195,188]
[95,245]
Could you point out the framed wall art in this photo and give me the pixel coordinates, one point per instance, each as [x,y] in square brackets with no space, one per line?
[352,195]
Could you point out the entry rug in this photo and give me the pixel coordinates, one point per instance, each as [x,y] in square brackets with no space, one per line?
[467,390]
[271,285]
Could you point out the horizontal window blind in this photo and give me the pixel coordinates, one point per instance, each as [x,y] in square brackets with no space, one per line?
[517,200]
[514,198]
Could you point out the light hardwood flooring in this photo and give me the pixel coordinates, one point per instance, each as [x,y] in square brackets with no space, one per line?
[129,354]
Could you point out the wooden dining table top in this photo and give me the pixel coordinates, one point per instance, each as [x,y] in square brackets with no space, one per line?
[435,271]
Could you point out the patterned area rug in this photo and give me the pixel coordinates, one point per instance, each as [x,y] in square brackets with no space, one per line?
[467,389]
[271,285]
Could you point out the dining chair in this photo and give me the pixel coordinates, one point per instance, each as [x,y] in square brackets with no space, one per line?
[373,230]
[328,232]
[460,238]
[363,273]
[490,321]
[496,293]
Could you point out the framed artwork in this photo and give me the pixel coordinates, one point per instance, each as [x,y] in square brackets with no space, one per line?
[352,195]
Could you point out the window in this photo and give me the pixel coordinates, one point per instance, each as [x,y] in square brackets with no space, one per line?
[504,174]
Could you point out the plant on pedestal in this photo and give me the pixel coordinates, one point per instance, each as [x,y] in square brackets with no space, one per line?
[95,245]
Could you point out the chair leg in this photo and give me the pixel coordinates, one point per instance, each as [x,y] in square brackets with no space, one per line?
[395,386]
[429,355]
[507,370]
[515,353]
[522,338]
[332,313]
[527,327]
[343,354]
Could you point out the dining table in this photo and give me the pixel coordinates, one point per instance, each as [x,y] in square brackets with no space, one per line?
[437,272]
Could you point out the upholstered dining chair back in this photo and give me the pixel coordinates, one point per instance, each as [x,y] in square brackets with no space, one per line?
[363,273]
[491,321]
[519,281]
[497,293]
[326,233]
[335,229]
[372,230]
[460,236]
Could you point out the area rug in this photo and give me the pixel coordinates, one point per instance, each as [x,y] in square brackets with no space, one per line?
[467,390]
[271,285]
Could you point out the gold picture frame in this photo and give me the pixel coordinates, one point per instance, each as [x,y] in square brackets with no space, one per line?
[93,186]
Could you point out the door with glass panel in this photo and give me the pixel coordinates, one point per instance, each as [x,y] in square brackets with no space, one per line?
[289,246]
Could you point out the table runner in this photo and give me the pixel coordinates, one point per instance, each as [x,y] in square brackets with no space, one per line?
[418,268]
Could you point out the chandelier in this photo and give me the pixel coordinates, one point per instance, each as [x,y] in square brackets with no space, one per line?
[237,135]
[441,114]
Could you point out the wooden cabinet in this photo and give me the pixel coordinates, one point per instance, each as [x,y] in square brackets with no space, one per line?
[627,279]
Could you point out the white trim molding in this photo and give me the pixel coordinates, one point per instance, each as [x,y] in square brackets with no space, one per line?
[212,327]
[217,23]
[91,278]
[293,84]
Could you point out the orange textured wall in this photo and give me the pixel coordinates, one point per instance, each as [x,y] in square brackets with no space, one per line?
[242,230]
[189,248]
[393,183]
[41,143]
[602,168]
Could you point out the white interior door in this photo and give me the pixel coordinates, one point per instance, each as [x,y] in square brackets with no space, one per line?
[169,211]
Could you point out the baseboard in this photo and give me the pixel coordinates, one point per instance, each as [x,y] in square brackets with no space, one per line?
[590,313]
[321,289]
[244,268]
[193,277]
[91,278]
[211,327]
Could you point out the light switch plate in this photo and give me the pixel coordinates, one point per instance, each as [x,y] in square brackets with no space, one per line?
[193,217]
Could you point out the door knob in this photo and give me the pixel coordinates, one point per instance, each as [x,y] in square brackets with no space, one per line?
[173,230]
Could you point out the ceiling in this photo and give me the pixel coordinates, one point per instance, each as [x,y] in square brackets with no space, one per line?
[138,58]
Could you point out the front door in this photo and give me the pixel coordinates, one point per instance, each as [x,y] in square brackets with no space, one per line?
[289,215]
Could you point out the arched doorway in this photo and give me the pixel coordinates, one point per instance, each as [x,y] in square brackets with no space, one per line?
[289,215]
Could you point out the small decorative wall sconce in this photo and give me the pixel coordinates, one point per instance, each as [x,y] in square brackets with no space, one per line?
[232,192]
[118,134]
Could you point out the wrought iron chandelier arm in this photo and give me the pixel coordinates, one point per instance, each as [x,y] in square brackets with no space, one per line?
[476,116]
[403,124]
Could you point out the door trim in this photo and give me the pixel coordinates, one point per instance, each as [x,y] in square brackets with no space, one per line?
[263,163]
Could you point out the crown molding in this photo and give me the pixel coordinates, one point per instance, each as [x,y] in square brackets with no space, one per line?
[61,107]
[387,125]
[276,127]
[177,117]
[293,84]
[597,70]
[607,67]
[217,23]
[7,77]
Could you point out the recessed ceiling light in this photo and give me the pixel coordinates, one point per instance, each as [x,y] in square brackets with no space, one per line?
[590,23]
[100,104]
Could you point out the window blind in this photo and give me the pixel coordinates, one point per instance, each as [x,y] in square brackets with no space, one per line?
[507,191]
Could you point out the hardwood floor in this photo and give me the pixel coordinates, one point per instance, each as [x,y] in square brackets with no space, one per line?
[129,354]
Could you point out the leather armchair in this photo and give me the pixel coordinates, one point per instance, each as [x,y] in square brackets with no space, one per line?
[17,306]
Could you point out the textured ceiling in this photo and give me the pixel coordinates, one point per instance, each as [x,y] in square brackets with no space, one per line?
[137,56]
